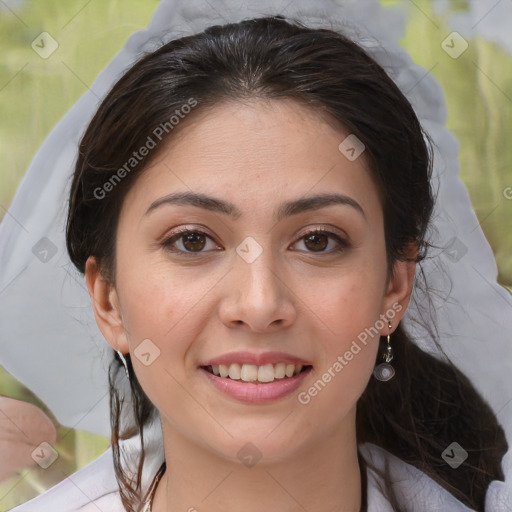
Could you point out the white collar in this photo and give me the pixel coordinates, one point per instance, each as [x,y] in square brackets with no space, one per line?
[94,487]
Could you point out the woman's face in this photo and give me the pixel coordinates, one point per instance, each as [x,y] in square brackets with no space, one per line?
[250,286]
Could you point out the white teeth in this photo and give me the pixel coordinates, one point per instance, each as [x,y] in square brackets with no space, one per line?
[234,371]
[280,371]
[253,373]
[249,372]
[266,373]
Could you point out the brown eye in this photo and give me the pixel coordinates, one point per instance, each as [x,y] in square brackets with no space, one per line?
[194,241]
[316,242]
[319,240]
[188,242]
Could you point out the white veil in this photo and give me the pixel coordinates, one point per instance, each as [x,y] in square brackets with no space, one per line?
[48,336]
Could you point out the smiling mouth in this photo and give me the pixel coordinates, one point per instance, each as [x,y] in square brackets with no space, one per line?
[258,374]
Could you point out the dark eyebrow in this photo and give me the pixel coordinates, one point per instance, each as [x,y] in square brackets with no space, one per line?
[199,200]
[315,203]
[285,210]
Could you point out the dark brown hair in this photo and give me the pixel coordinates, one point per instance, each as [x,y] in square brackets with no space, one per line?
[429,403]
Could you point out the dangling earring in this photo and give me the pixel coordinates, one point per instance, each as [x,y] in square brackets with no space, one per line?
[385,371]
[125,364]
[388,355]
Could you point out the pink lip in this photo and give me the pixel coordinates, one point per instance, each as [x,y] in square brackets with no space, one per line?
[257,392]
[257,359]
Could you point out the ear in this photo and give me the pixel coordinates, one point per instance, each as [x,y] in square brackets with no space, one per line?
[105,303]
[398,293]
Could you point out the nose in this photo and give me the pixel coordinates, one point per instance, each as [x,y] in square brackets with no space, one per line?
[257,295]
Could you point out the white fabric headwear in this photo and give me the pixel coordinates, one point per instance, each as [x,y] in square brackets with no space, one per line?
[49,339]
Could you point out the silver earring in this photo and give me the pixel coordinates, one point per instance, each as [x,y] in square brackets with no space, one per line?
[125,364]
[385,371]
[388,355]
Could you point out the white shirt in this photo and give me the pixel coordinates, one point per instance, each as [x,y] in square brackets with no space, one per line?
[94,487]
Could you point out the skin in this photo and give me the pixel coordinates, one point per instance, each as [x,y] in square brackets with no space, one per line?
[291,298]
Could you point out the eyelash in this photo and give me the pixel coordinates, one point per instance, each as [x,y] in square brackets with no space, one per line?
[168,243]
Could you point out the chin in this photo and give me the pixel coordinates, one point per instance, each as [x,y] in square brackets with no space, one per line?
[258,445]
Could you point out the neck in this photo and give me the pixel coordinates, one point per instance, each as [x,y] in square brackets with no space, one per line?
[324,476]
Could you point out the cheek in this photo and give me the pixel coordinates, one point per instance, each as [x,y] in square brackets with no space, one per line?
[354,326]
[347,349]
[348,312]
[349,303]
[160,315]
[156,299]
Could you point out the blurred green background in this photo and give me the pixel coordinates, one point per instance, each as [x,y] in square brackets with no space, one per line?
[35,93]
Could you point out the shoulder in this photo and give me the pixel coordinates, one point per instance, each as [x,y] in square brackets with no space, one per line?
[415,491]
[92,488]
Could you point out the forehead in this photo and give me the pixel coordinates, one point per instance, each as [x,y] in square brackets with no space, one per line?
[259,149]
[255,131]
